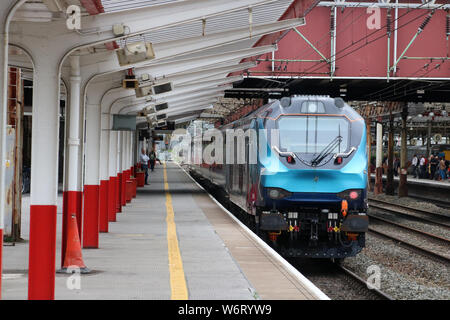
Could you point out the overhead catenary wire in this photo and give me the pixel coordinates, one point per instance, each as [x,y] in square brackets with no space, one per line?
[379,96]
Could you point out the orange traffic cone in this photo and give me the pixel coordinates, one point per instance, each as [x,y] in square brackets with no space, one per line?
[73,261]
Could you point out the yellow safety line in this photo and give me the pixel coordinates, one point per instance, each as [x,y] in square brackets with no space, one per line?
[177,279]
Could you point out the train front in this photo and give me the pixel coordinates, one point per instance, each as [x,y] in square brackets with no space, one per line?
[312,177]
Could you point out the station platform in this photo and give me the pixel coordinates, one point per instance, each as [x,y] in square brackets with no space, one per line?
[424,189]
[423,182]
[173,241]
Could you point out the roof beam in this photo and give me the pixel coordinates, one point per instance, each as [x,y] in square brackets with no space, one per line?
[171,112]
[118,106]
[186,119]
[400,5]
[194,77]
[197,86]
[166,68]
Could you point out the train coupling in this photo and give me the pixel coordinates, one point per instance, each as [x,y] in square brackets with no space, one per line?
[357,222]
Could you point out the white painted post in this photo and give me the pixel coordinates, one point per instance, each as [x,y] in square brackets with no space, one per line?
[92,177]
[44,177]
[379,160]
[74,135]
[379,155]
[105,181]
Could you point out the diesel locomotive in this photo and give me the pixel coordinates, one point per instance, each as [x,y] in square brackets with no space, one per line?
[305,192]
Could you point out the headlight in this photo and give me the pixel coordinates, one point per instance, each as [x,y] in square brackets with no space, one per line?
[351,194]
[277,193]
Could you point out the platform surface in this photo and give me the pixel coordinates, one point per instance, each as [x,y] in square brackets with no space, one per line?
[424,182]
[219,258]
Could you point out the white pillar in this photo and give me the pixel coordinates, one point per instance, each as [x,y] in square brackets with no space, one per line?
[122,166]
[44,177]
[379,155]
[119,152]
[45,133]
[124,152]
[128,134]
[130,150]
[92,176]
[379,161]
[105,148]
[105,192]
[113,168]
[92,144]
[127,154]
[73,140]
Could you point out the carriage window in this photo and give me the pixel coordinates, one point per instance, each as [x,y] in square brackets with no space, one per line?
[312,134]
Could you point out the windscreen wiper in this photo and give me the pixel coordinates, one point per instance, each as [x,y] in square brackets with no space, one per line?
[326,151]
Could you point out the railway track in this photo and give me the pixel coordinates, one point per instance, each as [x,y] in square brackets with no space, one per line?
[440,203]
[411,246]
[425,243]
[336,281]
[411,213]
[380,294]
[431,236]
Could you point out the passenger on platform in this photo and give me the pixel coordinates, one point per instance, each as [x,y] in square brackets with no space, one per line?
[385,164]
[414,163]
[144,164]
[153,159]
[442,168]
[422,167]
[396,166]
[433,166]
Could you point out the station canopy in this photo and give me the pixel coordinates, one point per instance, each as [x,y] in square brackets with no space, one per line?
[192,62]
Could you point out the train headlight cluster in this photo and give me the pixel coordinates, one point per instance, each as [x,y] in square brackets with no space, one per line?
[312,107]
[351,194]
[277,193]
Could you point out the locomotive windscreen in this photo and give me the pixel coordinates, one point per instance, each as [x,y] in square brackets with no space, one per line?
[312,134]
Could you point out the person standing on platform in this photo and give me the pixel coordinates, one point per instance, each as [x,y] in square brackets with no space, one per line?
[434,162]
[414,163]
[153,159]
[422,167]
[396,166]
[442,168]
[144,164]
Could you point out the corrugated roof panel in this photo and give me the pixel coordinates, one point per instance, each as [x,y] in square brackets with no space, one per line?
[120,5]
[239,19]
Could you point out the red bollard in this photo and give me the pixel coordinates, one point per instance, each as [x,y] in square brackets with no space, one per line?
[91,217]
[119,192]
[103,205]
[112,188]
[129,191]
[42,247]
[134,188]
[140,176]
